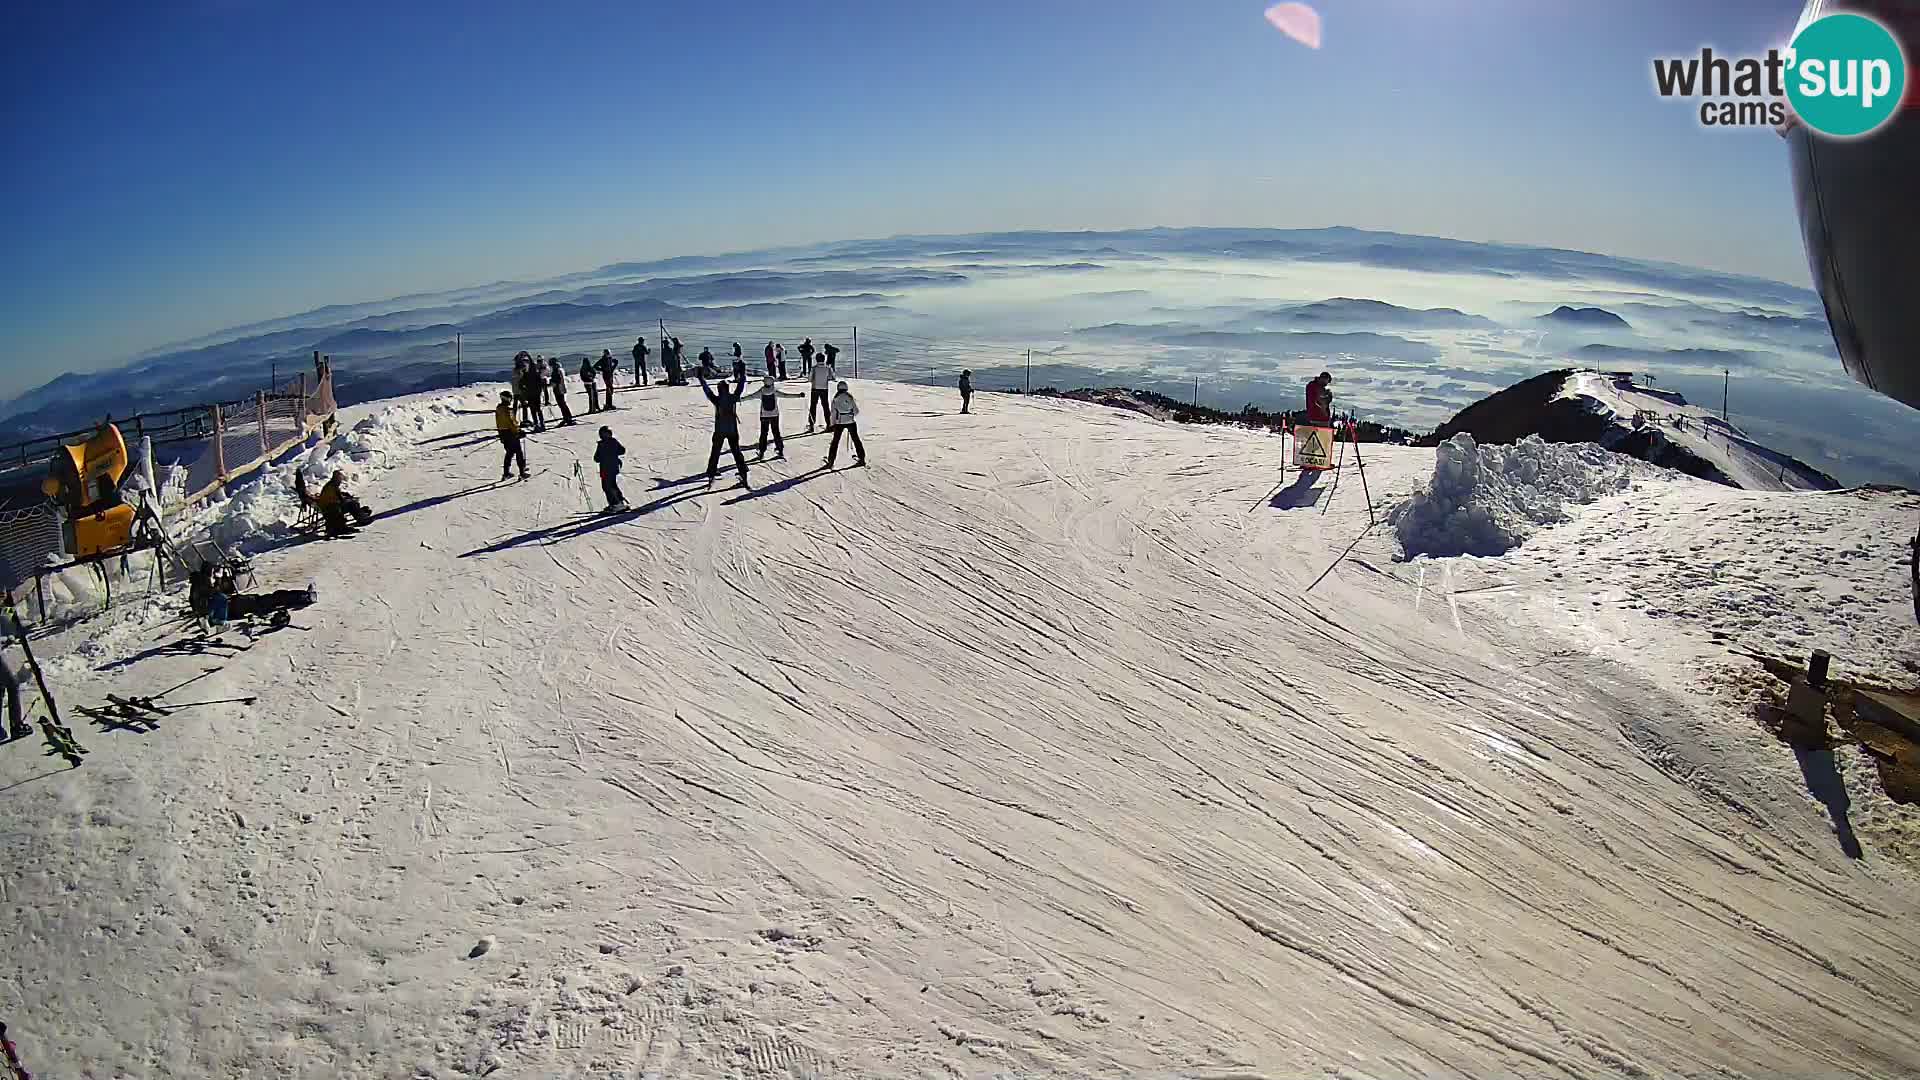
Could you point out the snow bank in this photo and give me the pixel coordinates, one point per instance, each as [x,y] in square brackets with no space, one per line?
[258,512]
[1486,500]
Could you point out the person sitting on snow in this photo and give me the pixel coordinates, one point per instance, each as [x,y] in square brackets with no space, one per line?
[336,504]
[213,597]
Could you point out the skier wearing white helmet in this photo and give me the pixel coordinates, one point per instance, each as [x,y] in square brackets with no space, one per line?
[844,415]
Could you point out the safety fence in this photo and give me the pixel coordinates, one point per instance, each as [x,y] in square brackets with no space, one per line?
[197,451]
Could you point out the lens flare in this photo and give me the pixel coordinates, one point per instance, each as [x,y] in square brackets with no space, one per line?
[1298,21]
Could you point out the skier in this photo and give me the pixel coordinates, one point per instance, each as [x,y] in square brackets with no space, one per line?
[831,352]
[558,382]
[966,390]
[726,426]
[739,364]
[806,357]
[536,388]
[822,376]
[592,385]
[1320,400]
[770,368]
[707,368]
[640,362]
[845,416]
[670,358]
[608,455]
[520,363]
[770,395]
[608,365]
[510,436]
[780,359]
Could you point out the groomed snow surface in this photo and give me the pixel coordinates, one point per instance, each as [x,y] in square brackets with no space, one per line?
[1025,750]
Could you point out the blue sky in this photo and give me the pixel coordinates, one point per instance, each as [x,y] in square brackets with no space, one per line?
[178,168]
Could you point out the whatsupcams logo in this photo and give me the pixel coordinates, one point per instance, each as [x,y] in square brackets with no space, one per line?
[1843,75]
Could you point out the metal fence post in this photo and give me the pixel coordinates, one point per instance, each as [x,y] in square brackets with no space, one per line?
[147,474]
[219,445]
[266,441]
[856,352]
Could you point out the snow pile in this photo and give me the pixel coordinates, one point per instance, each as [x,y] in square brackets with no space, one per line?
[258,512]
[266,509]
[1486,500]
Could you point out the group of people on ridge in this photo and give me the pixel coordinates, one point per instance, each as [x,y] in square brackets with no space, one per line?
[538,380]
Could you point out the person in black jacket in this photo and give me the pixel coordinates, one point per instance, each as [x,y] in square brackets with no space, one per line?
[640,362]
[726,425]
[966,390]
[608,365]
[831,352]
[536,377]
[739,364]
[557,380]
[593,386]
[608,454]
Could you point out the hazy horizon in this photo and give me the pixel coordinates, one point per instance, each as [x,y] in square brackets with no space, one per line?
[1414,327]
[232,161]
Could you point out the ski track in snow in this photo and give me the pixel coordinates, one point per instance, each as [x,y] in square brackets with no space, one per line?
[1023,750]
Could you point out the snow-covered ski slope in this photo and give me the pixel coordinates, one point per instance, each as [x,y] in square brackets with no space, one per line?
[1023,751]
[1697,430]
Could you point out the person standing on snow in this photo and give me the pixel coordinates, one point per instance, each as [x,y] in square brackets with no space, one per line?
[670,359]
[1320,400]
[770,395]
[592,385]
[608,454]
[806,356]
[536,390]
[966,390]
[640,362]
[511,436]
[739,364]
[780,359]
[558,381]
[770,367]
[831,352]
[726,426]
[519,385]
[845,415]
[822,377]
[608,365]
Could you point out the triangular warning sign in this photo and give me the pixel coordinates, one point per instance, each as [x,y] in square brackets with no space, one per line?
[1311,446]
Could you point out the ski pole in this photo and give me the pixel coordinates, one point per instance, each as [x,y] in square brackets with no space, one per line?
[189,682]
[197,704]
[1354,431]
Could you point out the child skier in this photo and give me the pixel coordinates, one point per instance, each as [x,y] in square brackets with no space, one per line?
[845,412]
[608,455]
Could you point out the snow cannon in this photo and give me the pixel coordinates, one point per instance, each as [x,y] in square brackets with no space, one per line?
[1313,447]
[1861,222]
[85,479]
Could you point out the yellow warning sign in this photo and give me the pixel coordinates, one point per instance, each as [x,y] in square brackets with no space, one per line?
[1313,447]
